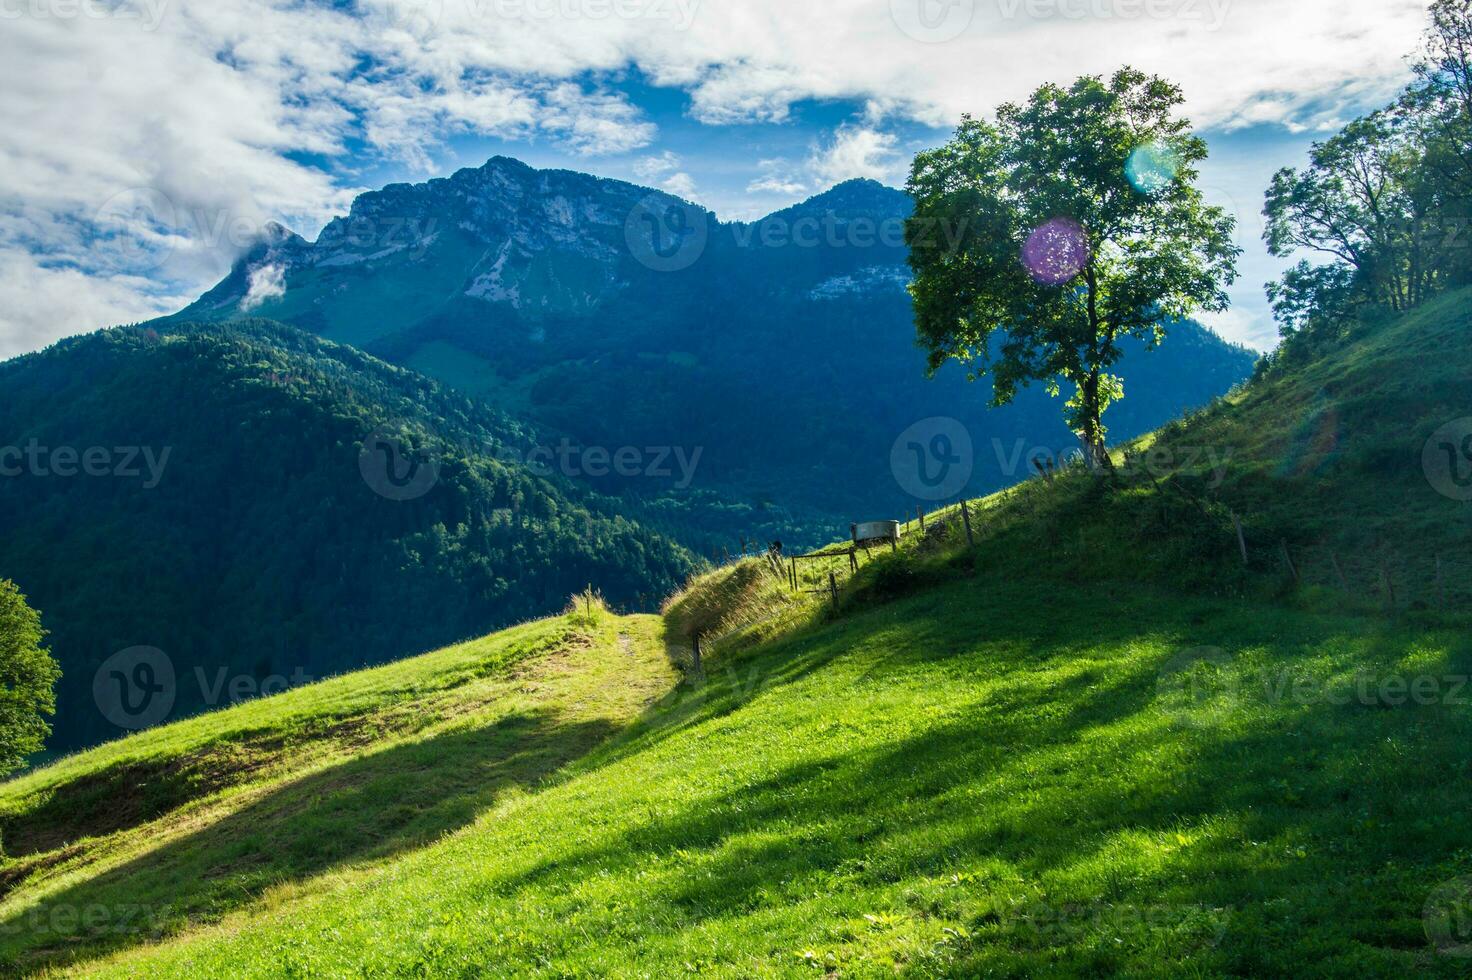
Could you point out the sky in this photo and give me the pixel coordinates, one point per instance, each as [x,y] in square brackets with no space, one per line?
[144,144]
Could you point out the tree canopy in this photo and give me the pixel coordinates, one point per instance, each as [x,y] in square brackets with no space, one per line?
[1041,241]
[28,676]
[1385,203]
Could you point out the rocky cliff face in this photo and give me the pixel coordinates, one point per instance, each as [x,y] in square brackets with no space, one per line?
[540,241]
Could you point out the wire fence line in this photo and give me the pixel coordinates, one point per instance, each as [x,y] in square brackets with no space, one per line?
[1391,577]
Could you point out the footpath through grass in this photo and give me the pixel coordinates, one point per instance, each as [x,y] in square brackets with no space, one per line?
[982,778]
[256,806]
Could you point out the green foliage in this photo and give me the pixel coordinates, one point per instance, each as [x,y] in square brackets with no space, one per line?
[1366,199]
[28,677]
[1004,300]
[1388,199]
[263,551]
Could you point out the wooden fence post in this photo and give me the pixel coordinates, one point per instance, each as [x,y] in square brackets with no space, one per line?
[794,575]
[921,511]
[1288,560]
[966,519]
[697,667]
[833,589]
[1241,538]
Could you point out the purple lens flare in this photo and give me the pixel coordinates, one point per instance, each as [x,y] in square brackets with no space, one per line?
[1056,251]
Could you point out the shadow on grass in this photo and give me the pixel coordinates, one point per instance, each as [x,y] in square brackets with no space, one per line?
[1300,836]
[364,810]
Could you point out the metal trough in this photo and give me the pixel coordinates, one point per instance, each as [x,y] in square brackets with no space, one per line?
[872,531]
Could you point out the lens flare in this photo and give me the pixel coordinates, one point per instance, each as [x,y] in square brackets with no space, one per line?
[1152,168]
[1056,251]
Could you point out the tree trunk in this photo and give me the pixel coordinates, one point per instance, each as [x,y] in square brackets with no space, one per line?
[1091,433]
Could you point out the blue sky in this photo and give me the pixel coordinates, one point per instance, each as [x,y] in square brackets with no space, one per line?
[144,143]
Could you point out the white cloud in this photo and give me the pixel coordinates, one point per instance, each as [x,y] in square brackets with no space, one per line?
[858,151]
[663,171]
[655,167]
[42,304]
[240,111]
[266,282]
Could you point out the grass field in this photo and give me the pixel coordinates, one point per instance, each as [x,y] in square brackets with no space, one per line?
[1092,743]
[186,823]
[978,779]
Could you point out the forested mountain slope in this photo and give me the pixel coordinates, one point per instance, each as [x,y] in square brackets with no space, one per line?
[256,502]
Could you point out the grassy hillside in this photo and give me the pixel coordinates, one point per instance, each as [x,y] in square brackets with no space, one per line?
[1091,743]
[983,777]
[280,796]
[1340,460]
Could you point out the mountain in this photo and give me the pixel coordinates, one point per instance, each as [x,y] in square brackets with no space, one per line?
[264,506]
[782,350]
[1089,742]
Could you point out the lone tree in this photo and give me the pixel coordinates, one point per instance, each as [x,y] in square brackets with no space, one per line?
[1041,241]
[28,677]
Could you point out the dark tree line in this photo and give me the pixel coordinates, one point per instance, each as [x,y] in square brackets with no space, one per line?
[262,550]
